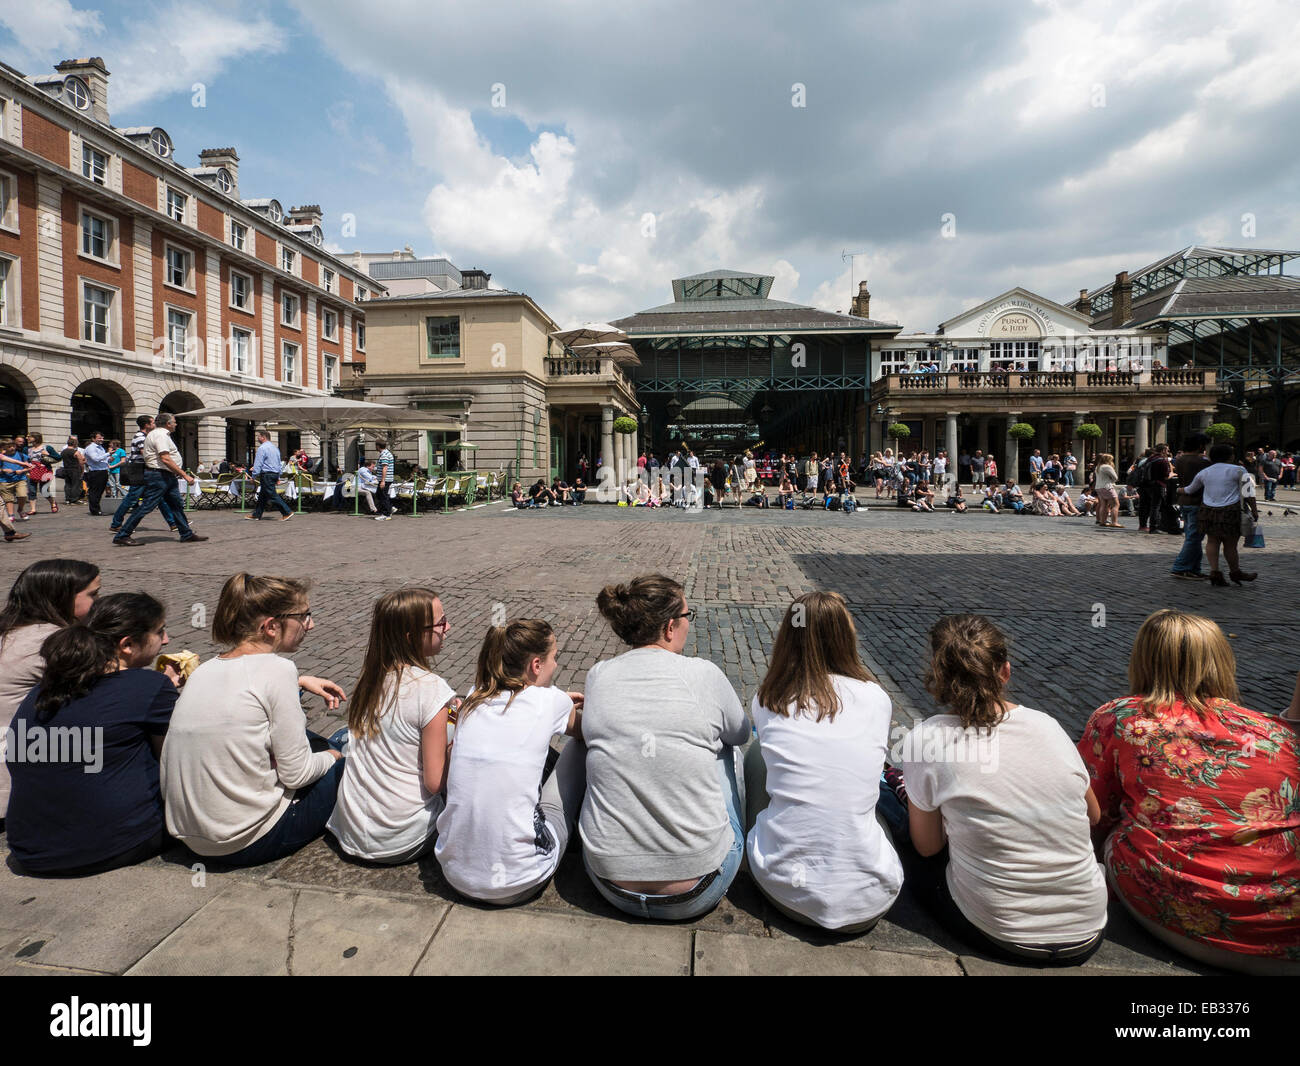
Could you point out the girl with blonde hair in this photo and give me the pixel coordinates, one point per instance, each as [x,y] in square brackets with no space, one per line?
[1000,791]
[391,793]
[506,823]
[812,775]
[1107,481]
[1198,814]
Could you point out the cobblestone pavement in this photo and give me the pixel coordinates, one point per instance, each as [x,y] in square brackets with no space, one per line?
[1070,596]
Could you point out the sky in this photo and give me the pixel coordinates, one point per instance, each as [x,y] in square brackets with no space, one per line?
[587,153]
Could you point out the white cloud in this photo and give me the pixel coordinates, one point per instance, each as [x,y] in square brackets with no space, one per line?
[50,30]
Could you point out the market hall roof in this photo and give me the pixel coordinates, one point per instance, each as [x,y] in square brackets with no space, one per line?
[1224,297]
[732,301]
[1194,261]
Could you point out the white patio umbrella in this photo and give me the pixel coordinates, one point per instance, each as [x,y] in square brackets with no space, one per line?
[591,332]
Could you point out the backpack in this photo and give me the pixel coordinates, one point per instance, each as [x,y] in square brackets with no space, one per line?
[1137,474]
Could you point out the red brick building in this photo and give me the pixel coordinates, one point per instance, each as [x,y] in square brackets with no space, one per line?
[131,284]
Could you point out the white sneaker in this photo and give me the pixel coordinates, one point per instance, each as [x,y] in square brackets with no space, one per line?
[379,518]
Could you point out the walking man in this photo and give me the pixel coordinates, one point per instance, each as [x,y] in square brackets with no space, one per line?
[162,466]
[96,473]
[266,468]
[133,477]
[1190,462]
[386,465]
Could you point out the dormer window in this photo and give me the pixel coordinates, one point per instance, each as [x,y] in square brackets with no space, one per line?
[317,236]
[76,92]
[274,211]
[224,182]
[160,143]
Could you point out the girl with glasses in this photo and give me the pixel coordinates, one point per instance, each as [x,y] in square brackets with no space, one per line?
[243,779]
[661,827]
[391,793]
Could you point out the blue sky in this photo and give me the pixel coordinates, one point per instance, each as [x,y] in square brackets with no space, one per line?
[588,153]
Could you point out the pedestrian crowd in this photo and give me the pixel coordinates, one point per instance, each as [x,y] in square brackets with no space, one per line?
[1177,797]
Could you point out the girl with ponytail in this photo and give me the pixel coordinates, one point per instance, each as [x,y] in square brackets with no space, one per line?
[1001,789]
[391,793]
[506,824]
[84,745]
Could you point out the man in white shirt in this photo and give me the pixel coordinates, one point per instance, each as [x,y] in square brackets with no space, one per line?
[941,472]
[367,482]
[162,464]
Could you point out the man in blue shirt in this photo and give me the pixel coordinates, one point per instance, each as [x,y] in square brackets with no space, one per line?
[266,468]
[96,472]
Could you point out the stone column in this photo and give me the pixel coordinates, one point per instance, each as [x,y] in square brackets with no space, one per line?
[1203,420]
[1078,445]
[620,455]
[1162,429]
[212,439]
[1010,469]
[1141,435]
[950,443]
[607,484]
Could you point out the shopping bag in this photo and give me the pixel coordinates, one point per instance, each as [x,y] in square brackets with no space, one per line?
[1256,538]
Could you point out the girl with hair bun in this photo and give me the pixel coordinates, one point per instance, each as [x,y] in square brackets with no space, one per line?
[91,801]
[1000,790]
[506,824]
[661,828]
[243,779]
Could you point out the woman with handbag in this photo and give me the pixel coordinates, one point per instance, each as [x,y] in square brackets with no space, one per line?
[1227,490]
[41,477]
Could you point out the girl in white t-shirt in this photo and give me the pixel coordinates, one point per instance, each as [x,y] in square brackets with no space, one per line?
[504,829]
[391,793]
[998,809]
[813,775]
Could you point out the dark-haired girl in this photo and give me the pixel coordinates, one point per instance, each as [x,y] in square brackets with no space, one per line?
[45,597]
[242,778]
[661,827]
[998,810]
[85,744]
[504,829]
[391,793]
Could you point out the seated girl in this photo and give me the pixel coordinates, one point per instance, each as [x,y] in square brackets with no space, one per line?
[390,795]
[1200,835]
[1087,502]
[105,809]
[243,779]
[643,498]
[664,491]
[517,496]
[957,501]
[661,827]
[506,824]
[924,497]
[1000,789]
[812,776]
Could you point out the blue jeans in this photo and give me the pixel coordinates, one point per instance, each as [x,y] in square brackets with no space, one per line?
[1270,488]
[1067,478]
[673,908]
[267,479]
[303,822]
[1189,559]
[159,488]
[131,499]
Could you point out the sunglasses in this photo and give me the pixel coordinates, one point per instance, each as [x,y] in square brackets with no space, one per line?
[302,616]
[688,615]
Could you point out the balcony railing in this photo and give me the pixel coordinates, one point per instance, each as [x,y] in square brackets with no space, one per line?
[568,370]
[1045,381]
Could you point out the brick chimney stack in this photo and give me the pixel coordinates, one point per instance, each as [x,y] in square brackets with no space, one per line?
[1122,308]
[306,215]
[93,72]
[861,304]
[1083,305]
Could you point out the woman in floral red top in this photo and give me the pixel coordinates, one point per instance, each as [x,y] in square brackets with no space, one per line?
[1199,797]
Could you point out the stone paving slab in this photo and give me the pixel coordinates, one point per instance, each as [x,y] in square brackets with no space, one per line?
[724,955]
[100,923]
[533,943]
